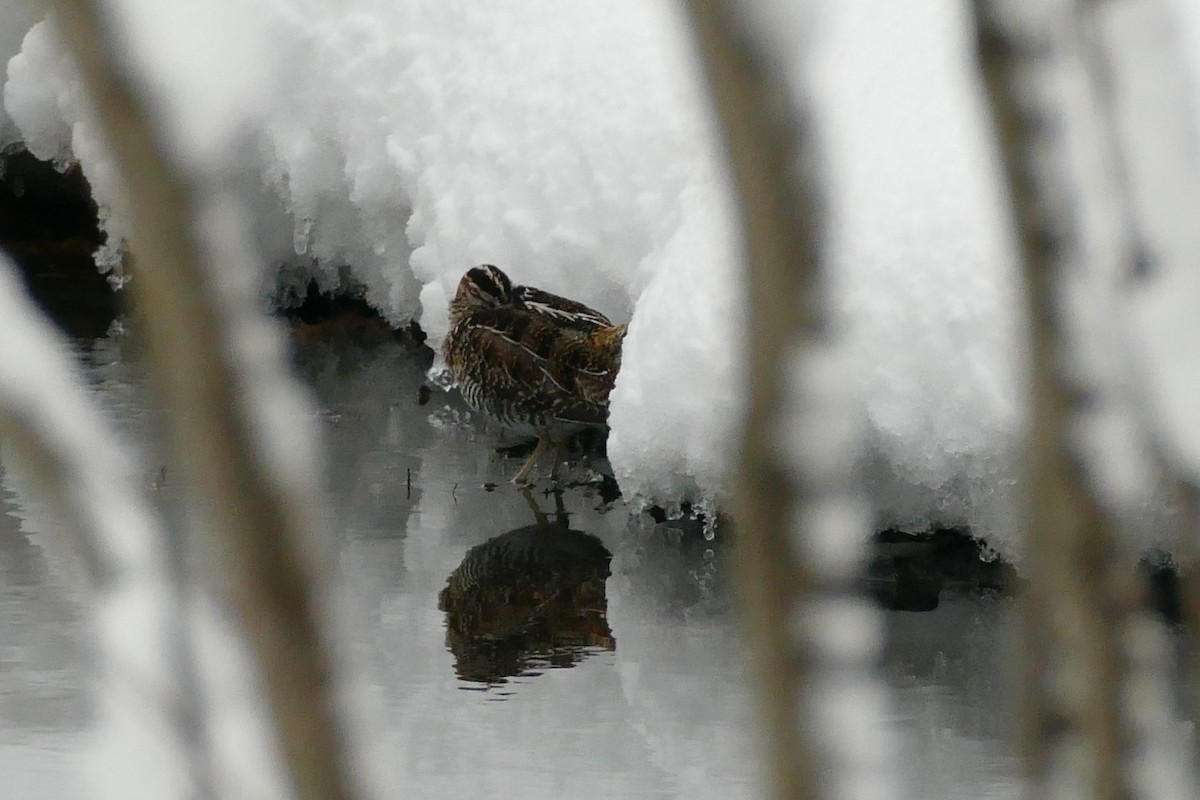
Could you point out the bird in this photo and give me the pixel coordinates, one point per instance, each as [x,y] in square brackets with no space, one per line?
[528,598]
[537,363]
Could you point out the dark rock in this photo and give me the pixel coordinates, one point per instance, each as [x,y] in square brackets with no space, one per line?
[317,306]
[48,225]
[1164,592]
[908,572]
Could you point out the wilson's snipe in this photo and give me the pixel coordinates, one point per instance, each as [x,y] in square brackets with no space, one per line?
[535,362]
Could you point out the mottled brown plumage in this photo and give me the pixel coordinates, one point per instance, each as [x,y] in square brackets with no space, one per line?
[535,362]
[527,598]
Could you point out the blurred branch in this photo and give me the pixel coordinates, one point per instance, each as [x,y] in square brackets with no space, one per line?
[81,471]
[789,481]
[260,521]
[1189,568]
[1149,102]
[1079,591]
[752,104]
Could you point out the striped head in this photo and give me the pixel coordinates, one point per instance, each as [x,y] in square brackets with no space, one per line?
[482,287]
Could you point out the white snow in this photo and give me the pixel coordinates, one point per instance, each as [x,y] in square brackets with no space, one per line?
[17,17]
[923,276]
[393,144]
[35,94]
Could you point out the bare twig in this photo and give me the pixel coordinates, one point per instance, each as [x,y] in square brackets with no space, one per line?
[83,473]
[1079,591]
[1149,103]
[792,597]
[262,524]
[754,108]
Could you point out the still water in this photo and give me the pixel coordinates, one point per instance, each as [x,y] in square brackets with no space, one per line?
[623,679]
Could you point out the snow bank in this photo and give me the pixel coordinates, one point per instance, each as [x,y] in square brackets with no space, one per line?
[391,145]
[924,274]
[407,142]
[16,18]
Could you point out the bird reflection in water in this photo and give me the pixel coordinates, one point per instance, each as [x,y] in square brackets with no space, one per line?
[528,599]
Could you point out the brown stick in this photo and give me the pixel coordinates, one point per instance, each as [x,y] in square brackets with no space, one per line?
[1075,602]
[259,526]
[765,139]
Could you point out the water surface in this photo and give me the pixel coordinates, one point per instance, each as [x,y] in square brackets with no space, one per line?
[629,687]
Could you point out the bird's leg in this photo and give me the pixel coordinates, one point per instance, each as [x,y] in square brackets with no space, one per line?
[538,515]
[560,450]
[542,441]
[560,510]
